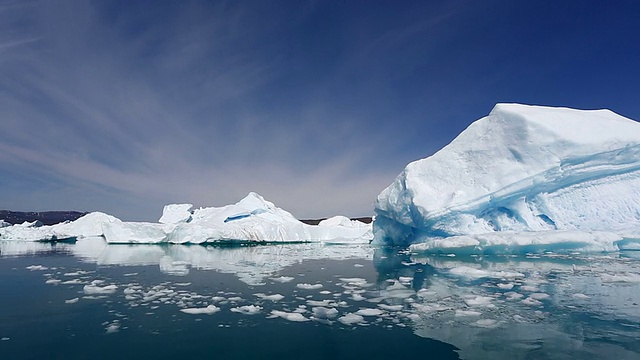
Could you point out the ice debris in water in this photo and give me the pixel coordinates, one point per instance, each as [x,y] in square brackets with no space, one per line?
[309,286]
[247,309]
[94,288]
[351,319]
[273,297]
[208,310]
[291,316]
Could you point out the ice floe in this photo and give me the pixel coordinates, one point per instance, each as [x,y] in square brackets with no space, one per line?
[208,310]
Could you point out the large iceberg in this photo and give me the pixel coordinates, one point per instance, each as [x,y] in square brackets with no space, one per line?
[252,219]
[521,169]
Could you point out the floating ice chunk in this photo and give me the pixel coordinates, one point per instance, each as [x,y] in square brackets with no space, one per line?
[519,319]
[391,307]
[539,296]
[36,267]
[512,295]
[486,323]
[291,316]
[211,309]
[76,273]
[283,279]
[113,327]
[529,288]
[531,302]
[72,282]
[273,297]
[580,296]
[430,308]
[620,278]
[355,281]
[53,281]
[369,312]
[93,289]
[351,319]
[405,279]
[309,286]
[247,309]
[462,313]
[72,301]
[322,303]
[321,312]
[505,286]
[340,220]
[479,301]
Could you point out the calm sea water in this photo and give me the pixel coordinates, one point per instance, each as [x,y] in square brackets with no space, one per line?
[309,301]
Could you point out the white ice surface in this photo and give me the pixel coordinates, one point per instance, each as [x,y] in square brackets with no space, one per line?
[521,169]
[291,316]
[252,219]
[86,226]
[208,310]
[247,309]
[176,213]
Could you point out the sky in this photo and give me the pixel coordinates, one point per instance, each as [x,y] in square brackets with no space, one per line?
[125,106]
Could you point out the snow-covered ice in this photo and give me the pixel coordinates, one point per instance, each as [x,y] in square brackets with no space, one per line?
[521,169]
[309,286]
[252,219]
[351,319]
[291,316]
[247,309]
[208,310]
[94,288]
[273,297]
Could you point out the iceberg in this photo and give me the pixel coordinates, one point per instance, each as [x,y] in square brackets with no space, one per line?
[521,169]
[253,219]
[89,225]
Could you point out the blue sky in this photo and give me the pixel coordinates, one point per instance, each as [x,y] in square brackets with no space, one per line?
[124,106]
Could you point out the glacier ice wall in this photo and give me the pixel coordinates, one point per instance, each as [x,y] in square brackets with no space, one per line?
[521,168]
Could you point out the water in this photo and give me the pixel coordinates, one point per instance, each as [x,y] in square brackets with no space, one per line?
[89,299]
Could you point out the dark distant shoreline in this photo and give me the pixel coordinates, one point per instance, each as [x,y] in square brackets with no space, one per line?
[55,217]
[364,219]
[45,217]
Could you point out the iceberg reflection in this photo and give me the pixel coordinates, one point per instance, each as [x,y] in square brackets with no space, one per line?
[252,264]
[547,306]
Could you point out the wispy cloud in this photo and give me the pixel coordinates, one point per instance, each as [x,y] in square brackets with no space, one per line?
[167,111]
[123,107]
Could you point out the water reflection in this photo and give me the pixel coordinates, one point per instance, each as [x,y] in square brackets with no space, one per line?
[252,264]
[541,306]
[537,306]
